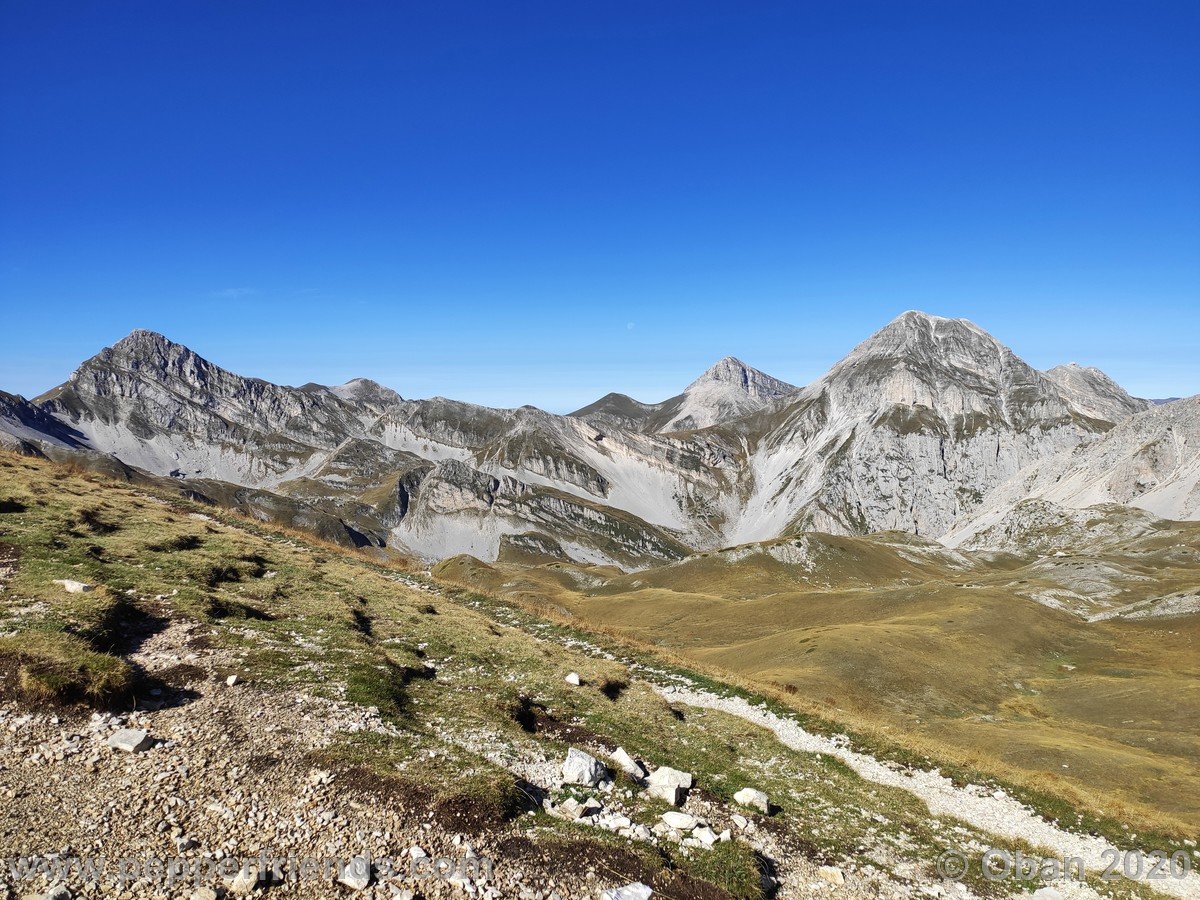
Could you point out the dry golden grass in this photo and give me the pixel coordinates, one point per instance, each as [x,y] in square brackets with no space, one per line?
[1101,716]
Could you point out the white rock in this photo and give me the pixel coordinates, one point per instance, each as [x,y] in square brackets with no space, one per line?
[574,679]
[582,768]
[705,835]
[668,784]
[740,821]
[680,821]
[231,680]
[628,764]
[204,893]
[753,798]
[671,793]
[1047,893]
[667,775]
[569,809]
[635,891]
[245,880]
[131,740]
[356,874]
[831,874]
[74,587]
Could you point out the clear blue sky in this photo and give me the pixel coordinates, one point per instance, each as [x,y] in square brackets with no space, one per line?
[540,202]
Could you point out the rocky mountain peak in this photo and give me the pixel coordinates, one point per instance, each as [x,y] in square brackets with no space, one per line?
[149,354]
[919,338]
[1095,394]
[367,393]
[733,372]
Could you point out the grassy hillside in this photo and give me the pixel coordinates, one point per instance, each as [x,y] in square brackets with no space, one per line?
[458,714]
[940,653]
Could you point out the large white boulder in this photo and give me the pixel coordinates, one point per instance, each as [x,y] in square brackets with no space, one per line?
[755,799]
[582,768]
[667,775]
[831,875]
[356,874]
[668,784]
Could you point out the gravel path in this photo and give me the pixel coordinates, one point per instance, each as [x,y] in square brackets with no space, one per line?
[996,813]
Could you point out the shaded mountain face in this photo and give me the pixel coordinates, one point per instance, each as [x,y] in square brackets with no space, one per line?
[728,390]
[909,432]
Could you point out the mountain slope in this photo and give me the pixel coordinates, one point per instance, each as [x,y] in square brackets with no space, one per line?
[1150,461]
[619,498]
[906,433]
[1094,393]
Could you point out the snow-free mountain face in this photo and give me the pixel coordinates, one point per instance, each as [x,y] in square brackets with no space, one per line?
[910,432]
[907,433]
[1150,461]
[1095,393]
[728,390]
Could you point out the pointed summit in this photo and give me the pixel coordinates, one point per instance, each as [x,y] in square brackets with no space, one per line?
[733,372]
[727,389]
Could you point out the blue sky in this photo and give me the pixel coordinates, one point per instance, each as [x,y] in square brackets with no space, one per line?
[540,202]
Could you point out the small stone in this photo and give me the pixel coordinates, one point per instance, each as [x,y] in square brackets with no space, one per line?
[204,893]
[628,764]
[131,740]
[680,821]
[635,891]
[831,875]
[245,880]
[1047,893]
[74,587]
[573,678]
[231,680]
[356,874]
[754,799]
[569,809]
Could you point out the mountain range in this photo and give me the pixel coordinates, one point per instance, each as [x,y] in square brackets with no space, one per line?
[930,426]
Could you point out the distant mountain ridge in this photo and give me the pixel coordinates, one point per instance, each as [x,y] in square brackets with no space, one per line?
[910,431]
